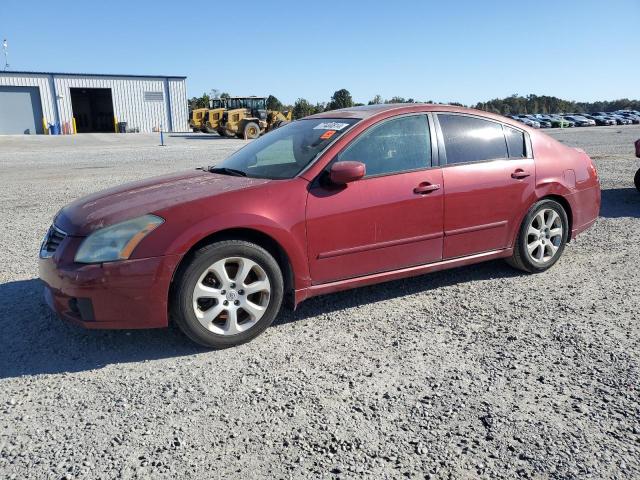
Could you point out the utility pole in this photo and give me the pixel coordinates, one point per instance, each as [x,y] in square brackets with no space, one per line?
[5,47]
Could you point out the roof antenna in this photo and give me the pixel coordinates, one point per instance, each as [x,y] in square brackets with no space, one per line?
[5,47]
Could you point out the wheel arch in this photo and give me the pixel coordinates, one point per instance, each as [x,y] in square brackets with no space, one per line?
[546,196]
[565,204]
[249,235]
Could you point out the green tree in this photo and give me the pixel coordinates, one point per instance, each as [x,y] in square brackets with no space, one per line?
[274,104]
[340,99]
[302,108]
[377,100]
[319,107]
[224,95]
[200,102]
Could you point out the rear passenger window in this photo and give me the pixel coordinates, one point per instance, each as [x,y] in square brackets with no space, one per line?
[394,146]
[471,139]
[515,142]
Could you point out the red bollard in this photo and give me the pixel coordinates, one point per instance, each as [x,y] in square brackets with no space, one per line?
[638,148]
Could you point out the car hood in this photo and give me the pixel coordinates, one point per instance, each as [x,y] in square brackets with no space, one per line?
[131,200]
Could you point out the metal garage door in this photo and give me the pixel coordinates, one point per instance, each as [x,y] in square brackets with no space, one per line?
[20,110]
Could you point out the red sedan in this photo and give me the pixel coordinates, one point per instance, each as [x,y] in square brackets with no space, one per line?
[334,201]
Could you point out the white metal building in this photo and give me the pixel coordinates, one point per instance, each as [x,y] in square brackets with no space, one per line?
[31,101]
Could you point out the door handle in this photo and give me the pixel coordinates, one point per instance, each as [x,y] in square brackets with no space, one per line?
[520,174]
[424,188]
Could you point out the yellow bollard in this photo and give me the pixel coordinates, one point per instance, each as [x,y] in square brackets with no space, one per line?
[115,124]
[45,129]
[73,121]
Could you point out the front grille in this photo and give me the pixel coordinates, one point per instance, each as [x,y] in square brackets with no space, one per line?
[51,242]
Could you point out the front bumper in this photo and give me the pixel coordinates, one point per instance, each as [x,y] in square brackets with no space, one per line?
[124,294]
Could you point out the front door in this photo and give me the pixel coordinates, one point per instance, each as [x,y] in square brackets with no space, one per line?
[488,176]
[390,219]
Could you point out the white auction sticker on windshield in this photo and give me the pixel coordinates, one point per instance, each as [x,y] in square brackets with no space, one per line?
[331,126]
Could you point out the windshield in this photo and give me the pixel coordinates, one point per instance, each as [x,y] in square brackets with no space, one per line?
[285,152]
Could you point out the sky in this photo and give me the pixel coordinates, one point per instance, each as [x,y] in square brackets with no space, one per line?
[454,50]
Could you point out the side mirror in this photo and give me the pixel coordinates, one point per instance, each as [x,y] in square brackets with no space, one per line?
[342,173]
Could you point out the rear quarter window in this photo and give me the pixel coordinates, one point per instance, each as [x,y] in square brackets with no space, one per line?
[515,142]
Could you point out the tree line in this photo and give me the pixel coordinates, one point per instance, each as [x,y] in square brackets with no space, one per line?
[512,105]
[516,104]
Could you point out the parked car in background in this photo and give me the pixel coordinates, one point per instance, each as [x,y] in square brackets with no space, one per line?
[579,121]
[559,122]
[632,112]
[527,121]
[600,120]
[608,115]
[634,118]
[617,118]
[622,120]
[544,123]
[334,201]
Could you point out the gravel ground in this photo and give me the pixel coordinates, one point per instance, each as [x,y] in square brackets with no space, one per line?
[478,372]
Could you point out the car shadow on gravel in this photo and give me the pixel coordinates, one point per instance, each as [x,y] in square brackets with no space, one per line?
[397,289]
[620,202]
[35,342]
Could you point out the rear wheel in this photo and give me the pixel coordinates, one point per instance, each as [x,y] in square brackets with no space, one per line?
[227,294]
[542,237]
[636,180]
[251,130]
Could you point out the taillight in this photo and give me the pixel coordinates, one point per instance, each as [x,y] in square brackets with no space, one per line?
[593,170]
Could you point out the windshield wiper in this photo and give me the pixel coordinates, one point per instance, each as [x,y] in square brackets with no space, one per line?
[227,171]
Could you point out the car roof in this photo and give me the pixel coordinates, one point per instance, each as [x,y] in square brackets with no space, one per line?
[368,111]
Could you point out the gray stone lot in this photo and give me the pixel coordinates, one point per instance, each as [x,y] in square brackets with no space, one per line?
[478,372]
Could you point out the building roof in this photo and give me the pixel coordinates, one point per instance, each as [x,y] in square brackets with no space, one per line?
[67,74]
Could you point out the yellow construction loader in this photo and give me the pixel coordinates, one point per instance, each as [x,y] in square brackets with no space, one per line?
[248,117]
[214,115]
[197,120]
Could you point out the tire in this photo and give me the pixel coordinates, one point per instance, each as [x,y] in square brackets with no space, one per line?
[537,252]
[251,130]
[198,298]
[636,180]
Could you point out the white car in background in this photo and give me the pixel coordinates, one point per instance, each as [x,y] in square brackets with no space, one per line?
[526,120]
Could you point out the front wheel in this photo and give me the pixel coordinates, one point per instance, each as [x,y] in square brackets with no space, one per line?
[251,130]
[542,237]
[227,294]
[636,180]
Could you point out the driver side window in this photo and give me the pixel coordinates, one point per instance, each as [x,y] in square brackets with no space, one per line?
[393,146]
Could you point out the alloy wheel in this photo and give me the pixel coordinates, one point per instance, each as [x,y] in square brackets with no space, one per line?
[544,236]
[231,295]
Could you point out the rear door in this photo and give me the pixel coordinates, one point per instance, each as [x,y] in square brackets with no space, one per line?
[488,176]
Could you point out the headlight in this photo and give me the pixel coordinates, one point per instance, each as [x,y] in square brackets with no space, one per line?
[116,242]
